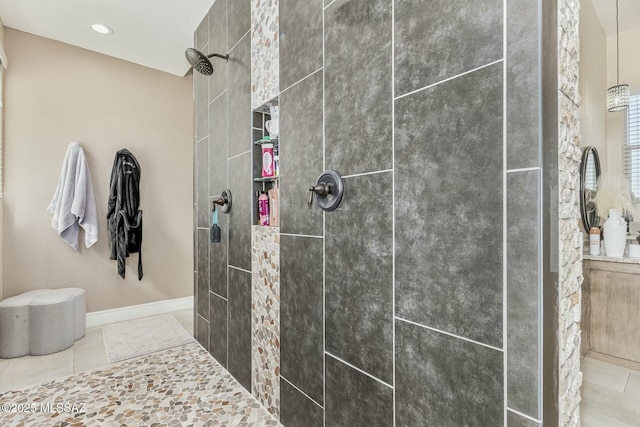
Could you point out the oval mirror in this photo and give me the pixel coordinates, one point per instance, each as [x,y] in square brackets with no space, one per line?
[589,174]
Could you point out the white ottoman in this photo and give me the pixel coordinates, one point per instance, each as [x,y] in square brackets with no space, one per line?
[42,321]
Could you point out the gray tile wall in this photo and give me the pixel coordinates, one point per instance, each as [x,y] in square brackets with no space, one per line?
[223,140]
[416,302]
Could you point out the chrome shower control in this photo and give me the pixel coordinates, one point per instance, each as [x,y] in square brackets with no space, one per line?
[328,190]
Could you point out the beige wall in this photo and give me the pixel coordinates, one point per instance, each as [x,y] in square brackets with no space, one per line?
[1,163]
[593,81]
[57,93]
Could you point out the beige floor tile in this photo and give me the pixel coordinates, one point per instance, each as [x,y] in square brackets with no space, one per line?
[592,418]
[29,370]
[633,387]
[611,404]
[185,317]
[604,374]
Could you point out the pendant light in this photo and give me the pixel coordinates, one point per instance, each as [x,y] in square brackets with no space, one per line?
[618,95]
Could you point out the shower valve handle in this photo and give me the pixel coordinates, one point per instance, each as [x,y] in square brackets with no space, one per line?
[322,190]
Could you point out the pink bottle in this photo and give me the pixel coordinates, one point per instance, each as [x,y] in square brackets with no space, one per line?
[267,160]
[263,208]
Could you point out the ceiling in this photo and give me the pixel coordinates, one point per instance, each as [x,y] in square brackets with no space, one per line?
[153,33]
[629,15]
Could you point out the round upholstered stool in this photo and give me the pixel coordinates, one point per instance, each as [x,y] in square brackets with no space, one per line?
[51,320]
[15,325]
[80,309]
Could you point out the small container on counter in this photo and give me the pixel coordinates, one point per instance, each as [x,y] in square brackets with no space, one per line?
[594,241]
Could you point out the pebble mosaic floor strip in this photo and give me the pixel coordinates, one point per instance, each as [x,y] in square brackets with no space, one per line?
[181,386]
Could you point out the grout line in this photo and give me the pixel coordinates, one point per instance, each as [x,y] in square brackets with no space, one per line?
[300,391]
[301,80]
[201,316]
[535,168]
[448,79]
[324,233]
[238,42]
[226,261]
[239,155]
[524,416]
[449,334]
[202,228]
[505,302]
[393,209]
[332,2]
[301,235]
[240,269]
[219,296]
[203,138]
[540,201]
[216,98]
[357,369]
[376,172]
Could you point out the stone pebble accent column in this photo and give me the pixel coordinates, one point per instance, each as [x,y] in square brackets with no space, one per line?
[265,314]
[265,69]
[570,272]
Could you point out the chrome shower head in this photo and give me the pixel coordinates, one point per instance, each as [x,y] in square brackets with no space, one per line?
[200,62]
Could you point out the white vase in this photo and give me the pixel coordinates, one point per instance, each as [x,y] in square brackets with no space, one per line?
[615,234]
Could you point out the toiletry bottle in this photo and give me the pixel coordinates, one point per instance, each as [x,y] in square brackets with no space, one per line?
[276,160]
[594,241]
[267,160]
[263,203]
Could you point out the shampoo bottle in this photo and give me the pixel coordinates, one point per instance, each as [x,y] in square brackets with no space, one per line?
[263,208]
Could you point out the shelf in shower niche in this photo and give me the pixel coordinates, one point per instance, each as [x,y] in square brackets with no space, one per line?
[268,140]
[266,179]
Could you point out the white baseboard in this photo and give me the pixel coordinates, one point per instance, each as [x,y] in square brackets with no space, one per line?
[99,318]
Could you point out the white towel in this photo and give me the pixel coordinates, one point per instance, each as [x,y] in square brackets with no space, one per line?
[74,204]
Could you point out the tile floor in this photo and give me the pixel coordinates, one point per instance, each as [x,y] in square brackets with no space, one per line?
[174,387]
[85,355]
[610,395]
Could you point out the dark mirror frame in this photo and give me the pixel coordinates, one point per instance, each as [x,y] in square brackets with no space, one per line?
[589,219]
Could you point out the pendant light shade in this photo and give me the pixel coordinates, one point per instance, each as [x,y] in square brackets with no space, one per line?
[618,98]
[618,95]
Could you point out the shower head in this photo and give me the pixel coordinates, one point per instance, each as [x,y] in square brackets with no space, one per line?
[200,62]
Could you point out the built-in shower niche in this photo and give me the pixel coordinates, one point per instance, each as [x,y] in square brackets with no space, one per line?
[268,184]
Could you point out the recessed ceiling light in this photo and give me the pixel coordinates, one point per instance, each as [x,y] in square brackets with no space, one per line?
[102,29]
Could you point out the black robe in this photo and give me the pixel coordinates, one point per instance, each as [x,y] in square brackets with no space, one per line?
[123,215]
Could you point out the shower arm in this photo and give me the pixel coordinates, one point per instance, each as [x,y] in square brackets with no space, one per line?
[225,57]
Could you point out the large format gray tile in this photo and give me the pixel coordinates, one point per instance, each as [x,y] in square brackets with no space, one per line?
[238,19]
[202,331]
[446,381]
[201,35]
[300,40]
[300,155]
[297,410]
[201,99]
[359,276]
[515,420]
[240,216]
[448,201]
[354,399]
[523,85]
[240,98]
[438,39]
[202,303]
[202,182]
[523,283]
[239,343]
[301,343]
[218,183]
[217,44]
[218,116]
[358,86]
[218,329]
